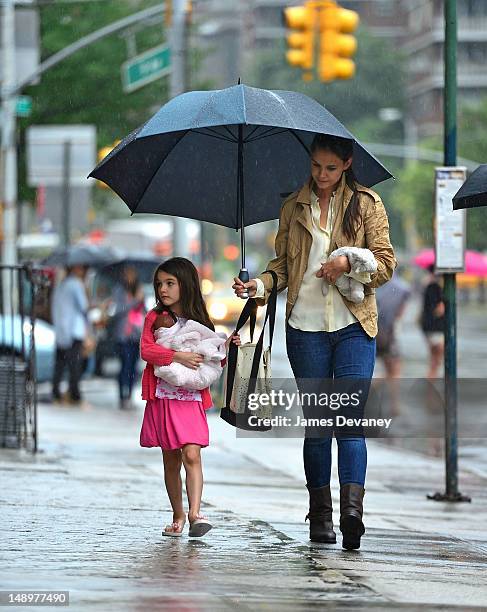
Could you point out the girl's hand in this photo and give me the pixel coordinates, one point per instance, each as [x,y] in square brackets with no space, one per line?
[189,360]
[239,286]
[235,338]
[331,270]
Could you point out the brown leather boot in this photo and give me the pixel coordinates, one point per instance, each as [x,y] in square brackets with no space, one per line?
[351,512]
[320,515]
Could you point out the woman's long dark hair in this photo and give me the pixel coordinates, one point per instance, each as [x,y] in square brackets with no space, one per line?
[343,149]
[131,286]
[192,304]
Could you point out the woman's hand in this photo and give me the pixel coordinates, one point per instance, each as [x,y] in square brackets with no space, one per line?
[331,270]
[239,286]
[235,338]
[190,360]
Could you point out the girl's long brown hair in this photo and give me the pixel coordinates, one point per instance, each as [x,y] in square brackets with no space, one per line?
[192,304]
[343,149]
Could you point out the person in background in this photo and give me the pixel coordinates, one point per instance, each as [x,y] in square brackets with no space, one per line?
[391,302]
[433,321]
[69,310]
[129,313]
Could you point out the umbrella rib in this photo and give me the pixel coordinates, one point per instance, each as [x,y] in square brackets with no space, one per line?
[213,135]
[300,141]
[252,132]
[267,134]
[234,138]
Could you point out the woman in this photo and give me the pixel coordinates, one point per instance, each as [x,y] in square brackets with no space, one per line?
[327,336]
[129,320]
[433,321]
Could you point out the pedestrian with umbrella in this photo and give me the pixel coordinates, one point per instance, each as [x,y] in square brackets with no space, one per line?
[69,310]
[328,336]
[129,312]
[226,157]
[473,193]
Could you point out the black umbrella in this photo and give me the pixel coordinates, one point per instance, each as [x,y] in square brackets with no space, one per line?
[82,255]
[144,264]
[473,192]
[225,156]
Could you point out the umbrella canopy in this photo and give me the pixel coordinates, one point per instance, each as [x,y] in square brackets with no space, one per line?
[473,192]
[225,156]
[82,255]
[475,262]
[144,264]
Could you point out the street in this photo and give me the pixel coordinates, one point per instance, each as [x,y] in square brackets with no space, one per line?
[85,515]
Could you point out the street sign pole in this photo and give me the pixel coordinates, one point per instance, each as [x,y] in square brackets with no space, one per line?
[9,152]
[450,159]
[66,201]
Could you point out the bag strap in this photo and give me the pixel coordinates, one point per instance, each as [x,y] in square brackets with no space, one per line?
[249,311]
[271,316]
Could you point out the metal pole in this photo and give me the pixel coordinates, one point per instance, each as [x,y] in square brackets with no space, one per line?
[9,151]
[450,148]
[450,159]
[177,41]
[66,200]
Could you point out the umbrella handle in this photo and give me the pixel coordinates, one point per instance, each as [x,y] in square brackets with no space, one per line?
[244,277]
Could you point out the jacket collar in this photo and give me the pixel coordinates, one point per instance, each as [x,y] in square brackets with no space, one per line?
[342,200]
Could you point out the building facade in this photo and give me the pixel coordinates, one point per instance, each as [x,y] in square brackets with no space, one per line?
[424,47]
[232,30]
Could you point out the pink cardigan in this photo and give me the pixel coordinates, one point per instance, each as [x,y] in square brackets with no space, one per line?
[155,354]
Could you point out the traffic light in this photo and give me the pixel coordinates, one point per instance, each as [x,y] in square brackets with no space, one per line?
[337,45]
[102,153]
[301,19]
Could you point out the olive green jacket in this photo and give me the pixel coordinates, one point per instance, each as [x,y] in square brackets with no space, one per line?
[294,238]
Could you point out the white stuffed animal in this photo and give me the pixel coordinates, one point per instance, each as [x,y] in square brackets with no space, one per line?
[191,337]
[361,260]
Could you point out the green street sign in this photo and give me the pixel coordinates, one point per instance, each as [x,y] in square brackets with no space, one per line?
[23,106]
[146,67]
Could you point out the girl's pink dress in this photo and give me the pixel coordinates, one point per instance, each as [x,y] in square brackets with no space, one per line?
[174,417]
[172,423]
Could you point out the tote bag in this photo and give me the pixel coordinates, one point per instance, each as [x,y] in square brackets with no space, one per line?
[249,369]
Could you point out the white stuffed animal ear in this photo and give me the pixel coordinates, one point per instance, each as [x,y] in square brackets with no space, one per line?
[357,291]
[325,287]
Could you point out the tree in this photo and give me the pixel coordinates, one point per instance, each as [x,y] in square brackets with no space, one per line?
[414,190]
[86,88]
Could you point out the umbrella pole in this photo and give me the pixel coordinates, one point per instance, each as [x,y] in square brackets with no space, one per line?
[244,273]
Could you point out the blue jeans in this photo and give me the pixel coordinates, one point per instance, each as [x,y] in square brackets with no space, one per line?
[347,353]
[128,351]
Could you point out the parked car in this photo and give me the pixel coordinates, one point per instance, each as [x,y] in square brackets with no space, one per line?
[11,331]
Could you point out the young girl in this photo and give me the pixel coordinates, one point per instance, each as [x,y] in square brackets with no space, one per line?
[175,418]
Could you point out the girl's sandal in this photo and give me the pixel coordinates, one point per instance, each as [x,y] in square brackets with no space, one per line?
[199,526]
[174,530]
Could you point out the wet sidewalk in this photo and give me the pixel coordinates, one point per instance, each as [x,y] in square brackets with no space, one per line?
[85,515]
